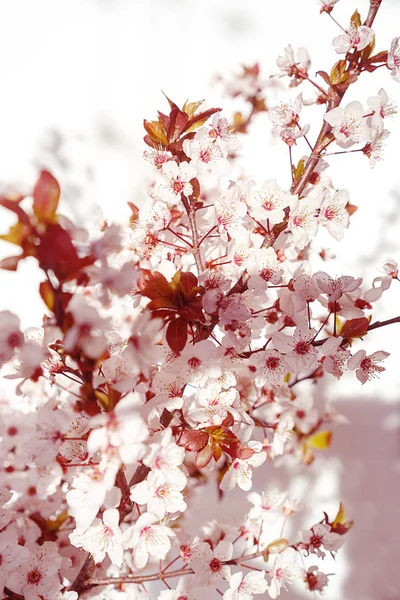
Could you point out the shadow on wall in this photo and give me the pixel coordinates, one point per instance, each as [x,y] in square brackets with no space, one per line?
[362,468]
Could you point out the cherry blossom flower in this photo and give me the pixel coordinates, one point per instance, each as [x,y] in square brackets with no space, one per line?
[299,351]
[294,67]
[165,458]
[321,536]
[390,267]
[214,405]
[393,60]
[269,202]
[240,473]
[148,539]
[184,591]
[267,506]
[200,362]
[305,417]
[382,107]
[349,125]
[87,494]
[270,366]
[223,134]
[208,564]
[101,538]
[315,580]
[283,433]
[141,350]
[335,357]
[286,119]
[37,575]
[10,335]
[285,571]
[158,157]
[178,181]
[375,147]
[335,288]
[356,38]
[333,214]
[123,430]
[264,268]
[205,154]
[327,5]
[88,331]
[230,212]
[12,555]
[244,588]
[367,367]
[161,498]
[303,222]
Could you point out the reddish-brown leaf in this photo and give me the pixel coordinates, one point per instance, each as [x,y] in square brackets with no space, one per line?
[177,124]
[57,253]
[176,334]
[153,284]
[355,327]
[46,195]
[204,456]
[193,440]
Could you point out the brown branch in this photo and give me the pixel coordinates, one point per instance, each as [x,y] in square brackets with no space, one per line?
[161,575]
[191,213]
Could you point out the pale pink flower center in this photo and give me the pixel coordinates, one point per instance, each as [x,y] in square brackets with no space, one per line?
[34,576]
[302,348]
[266,274]
[272,363]
[177,185]
[194,362]
[215,565]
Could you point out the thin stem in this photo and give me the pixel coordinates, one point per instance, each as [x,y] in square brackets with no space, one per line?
[337,23]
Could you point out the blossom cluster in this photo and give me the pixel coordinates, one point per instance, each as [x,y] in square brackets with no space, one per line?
[173,351]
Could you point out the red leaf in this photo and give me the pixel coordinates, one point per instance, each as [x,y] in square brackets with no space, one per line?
[193,440]
[177,124]
[204,456]
[10,263]
[355,327]
[202,117]
[189,281]
[46,195]
[176,334]
[153,285]
[57,253]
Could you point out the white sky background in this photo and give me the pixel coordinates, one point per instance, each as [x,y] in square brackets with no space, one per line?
[91,70]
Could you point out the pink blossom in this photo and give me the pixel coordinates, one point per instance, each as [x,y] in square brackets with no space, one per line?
[333,214]
[178,179]
[393,61]
[285,571]
[367,367]
[298,349]
[356,38]
[101,538]
[209,565]
[320,536]
[240,473]
[245,587]
[269,202]
[206,154]
[267,506]
[149,539]
[349,125]
[296,67]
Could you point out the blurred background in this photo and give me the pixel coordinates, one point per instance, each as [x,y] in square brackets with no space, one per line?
[79,76]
